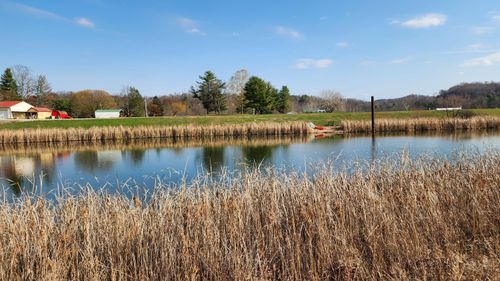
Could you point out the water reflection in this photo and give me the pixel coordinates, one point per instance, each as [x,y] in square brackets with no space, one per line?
[212,157]
[20,167]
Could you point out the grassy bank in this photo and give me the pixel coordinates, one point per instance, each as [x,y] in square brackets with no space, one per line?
[404,220]
[317,118]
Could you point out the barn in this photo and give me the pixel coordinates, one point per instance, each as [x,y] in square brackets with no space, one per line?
[108,113]
[17,110]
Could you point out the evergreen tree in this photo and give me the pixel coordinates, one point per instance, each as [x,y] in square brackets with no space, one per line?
[260,95]
[283,103]
[135,103]
[209,92]
[8,86]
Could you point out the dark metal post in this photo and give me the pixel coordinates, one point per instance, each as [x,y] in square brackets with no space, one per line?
[373,117]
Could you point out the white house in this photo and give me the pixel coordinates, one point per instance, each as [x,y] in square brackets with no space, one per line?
[17,110]
[107,113]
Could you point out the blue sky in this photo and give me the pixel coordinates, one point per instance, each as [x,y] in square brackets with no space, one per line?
[360,48]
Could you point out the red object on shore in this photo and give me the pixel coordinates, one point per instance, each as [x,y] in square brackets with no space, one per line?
[59,114]
[321,128]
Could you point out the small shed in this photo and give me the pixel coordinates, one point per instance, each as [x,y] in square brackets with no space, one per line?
[108,113]
[43,113]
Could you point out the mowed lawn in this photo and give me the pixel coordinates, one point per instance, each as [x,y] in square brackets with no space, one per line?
[317,118]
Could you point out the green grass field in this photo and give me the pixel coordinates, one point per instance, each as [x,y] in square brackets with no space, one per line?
[317,118]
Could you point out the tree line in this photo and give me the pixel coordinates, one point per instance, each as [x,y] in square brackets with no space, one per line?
[241,94]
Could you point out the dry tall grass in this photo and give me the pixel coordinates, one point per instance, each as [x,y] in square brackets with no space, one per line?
[432,220]
[122,133]
[55,147]
[422,124]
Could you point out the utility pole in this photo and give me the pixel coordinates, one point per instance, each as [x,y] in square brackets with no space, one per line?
[373,117]
[145,107]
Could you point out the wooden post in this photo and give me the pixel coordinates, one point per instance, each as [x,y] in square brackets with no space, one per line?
[373,117]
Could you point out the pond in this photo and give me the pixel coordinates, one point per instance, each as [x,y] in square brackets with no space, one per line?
[143,163]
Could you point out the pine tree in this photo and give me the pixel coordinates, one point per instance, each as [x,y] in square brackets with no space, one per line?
[8,86]
[260,95]
[209,92]
[283,103]
[135,103]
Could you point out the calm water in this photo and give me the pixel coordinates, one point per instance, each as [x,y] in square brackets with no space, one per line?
[141,164]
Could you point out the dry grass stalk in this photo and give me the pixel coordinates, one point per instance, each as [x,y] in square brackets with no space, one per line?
[101,134]
[431,220]
[422,124]
[55,147]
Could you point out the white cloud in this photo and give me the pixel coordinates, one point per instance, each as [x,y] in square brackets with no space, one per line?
[289,32]
[342,44]
[190,26]
[312,63]
[495,17]
[84,22]
[483,61]
[425,21]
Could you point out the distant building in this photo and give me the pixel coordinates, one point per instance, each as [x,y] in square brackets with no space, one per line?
[17,110]
[448,108]
[43,112]
[108,113]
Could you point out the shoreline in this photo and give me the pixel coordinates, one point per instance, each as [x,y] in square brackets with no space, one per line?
[96,135]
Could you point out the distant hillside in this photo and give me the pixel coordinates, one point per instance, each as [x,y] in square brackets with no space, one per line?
[466,95]
[472,95]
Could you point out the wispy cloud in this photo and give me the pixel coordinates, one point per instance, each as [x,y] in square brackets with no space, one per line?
[476,46]
[369,62]
[289,32]
[425,21]
[479,30]
[483,61]
[312,63]
[400,60]
[37,12]
[84,22]
[342,44]
[190,26]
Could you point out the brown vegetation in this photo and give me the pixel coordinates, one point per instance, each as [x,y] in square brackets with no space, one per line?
[409,220]
[56,147]
[101,134]
[422,124]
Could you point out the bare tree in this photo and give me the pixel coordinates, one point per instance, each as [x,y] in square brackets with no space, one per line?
[42,89]
[24,80]
[332,101]
[236,85]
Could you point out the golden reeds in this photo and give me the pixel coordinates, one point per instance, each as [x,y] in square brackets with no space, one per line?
[126,133]
[433,220]
[55,147]
[422,124]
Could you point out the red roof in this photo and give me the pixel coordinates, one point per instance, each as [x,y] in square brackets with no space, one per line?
[43,109]
[8,103]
